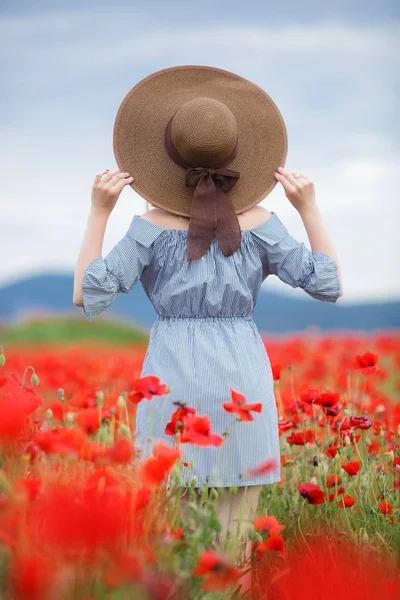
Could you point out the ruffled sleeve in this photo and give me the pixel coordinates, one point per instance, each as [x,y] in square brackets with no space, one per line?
[282,255]
[120,270]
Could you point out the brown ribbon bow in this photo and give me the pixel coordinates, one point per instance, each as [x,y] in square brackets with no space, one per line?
[212,211]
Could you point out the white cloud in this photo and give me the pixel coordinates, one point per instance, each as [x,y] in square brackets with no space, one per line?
[68,71]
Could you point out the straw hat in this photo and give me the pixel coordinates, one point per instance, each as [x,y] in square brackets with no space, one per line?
[203,143]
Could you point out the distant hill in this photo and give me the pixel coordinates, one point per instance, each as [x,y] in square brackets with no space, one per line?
[274,313]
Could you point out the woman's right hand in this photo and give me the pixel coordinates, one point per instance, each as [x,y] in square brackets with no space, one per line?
[106,190]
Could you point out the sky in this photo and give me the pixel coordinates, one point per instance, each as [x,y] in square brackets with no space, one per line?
[333,72]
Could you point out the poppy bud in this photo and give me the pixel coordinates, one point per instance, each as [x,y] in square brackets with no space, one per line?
[49,414]
[364,536]
[124,429]
[193,481]
[233,490]
[100,397]
[121,402]
[34,379]
[347,441]
[389,455]
[70,417]
[213,494]
[2,359]
[60,392]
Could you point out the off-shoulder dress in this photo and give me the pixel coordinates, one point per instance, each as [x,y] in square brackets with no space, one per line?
[204,340]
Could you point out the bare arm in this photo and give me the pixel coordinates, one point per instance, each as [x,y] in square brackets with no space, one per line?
[300,192]
[91,247]
[105,193]
[318,235]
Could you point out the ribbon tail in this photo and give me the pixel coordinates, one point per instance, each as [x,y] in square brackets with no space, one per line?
[228,234]
[203,218]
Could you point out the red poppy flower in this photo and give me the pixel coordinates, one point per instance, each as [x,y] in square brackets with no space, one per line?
[298,439]
[17,402]
[268,524]
[284,425]
[312,493]
[147,387]
[346,502]
[332,480]
[352,468]
[332,411]
[198,431]
[89,418]
[328,399]
[386,508]
[275,543]
[176,423]
[366,363]
[239,406]
[218,572]
[363,422]
[332,451]
[309,396]
[154,470]
[121,453]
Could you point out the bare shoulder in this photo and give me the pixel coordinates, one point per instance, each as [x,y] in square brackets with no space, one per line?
[255,216]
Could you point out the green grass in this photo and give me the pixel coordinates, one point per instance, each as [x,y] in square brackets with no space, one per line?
[70,330]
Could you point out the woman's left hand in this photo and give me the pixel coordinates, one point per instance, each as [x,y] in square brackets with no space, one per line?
[299,189]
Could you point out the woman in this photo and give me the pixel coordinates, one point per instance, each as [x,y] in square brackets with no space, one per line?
[201,259]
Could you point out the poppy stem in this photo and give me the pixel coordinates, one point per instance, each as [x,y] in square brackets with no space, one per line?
[278,398]
[364,469]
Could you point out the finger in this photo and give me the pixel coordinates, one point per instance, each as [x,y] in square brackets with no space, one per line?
[99,175]
[286,184]
[115,179]
[122,183]
[288,175]
[109,175]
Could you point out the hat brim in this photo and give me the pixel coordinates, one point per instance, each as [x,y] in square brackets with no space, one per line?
[138,137]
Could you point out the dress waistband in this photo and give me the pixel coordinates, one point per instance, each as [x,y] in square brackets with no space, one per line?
[216,318]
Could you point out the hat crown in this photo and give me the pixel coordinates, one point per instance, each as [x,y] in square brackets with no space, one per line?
[204,132]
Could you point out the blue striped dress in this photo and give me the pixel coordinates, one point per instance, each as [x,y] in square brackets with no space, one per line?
[204,340]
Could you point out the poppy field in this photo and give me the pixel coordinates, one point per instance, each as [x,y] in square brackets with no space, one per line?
[82,517]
